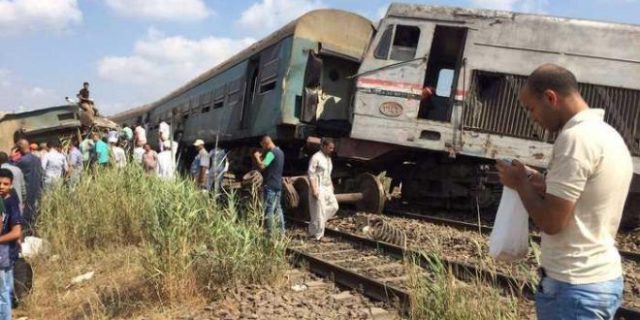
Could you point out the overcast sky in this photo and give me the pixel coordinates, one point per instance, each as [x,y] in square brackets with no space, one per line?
[135,51]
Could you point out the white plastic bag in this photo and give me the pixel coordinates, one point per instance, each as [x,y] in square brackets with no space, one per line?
[509,240]
[32,246]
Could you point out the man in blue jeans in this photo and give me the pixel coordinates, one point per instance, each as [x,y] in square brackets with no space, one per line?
[10,233]
[271,166]
[579,204]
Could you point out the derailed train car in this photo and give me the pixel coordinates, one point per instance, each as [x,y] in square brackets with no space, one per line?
[477,61]
[329,73]
[45,124]
[262,90]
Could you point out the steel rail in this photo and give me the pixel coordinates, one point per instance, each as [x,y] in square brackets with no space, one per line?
[461,225]
[367,286]
[462,271]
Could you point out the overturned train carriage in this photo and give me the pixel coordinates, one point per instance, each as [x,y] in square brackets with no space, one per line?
[477,61]
[44,125]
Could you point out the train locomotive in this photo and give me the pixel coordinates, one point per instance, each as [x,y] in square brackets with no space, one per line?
[332,73]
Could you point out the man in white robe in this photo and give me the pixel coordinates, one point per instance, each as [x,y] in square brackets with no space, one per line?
[322,201]
[166,168]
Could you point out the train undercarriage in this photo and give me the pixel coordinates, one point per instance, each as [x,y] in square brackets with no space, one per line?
[432,180]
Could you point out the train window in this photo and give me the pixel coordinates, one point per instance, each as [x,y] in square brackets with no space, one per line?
[445,80]
[218,97]
[266,87]
[382,50]
[206,109]
[66,116]
[334,75]
[405,43]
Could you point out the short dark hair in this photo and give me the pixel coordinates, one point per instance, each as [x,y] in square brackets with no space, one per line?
[552,77]
[327,141]
[85,83]
[4,157]
[54,143]
[6,173]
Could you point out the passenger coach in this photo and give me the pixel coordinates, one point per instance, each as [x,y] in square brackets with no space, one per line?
[291,84]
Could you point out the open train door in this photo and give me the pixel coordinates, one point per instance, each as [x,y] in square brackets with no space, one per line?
[443,69]
[311,90]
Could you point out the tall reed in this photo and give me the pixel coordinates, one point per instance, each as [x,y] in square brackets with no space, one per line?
[190,244]
[439,295]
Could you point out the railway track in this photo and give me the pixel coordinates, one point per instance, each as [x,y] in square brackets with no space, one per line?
[484,229]
[393,289]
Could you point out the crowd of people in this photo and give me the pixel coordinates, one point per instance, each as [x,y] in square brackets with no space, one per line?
[577,204]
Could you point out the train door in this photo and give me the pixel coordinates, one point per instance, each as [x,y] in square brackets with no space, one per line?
[443,68]
[250,91]
[311,90]
[327,92]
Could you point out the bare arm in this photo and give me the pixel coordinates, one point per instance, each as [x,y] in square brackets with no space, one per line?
[13,235]
[258,162]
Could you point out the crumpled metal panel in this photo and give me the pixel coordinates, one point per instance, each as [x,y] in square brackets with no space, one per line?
[492,106]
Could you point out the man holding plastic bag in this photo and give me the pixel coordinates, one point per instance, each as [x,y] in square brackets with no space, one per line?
[579,207]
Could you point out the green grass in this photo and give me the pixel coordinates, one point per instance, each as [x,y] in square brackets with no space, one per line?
[184,242]
[439,295]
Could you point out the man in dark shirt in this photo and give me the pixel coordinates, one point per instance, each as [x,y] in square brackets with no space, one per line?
[10,233]
[31,167]
[86,104]
[83,95]
[271,166]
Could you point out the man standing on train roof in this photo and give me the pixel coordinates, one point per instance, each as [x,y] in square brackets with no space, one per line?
[579,204]
[85,101]
[83,94]
[200,165]
[271,166]
[322,201]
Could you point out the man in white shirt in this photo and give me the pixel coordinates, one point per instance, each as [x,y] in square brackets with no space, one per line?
[119,157]
[138,152]
[140,135]
[54,165]
[18,178]
[163,130]
[322,201]
[578,205]
[166,168]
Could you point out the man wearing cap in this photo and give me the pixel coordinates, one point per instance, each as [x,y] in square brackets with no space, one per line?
[200,165]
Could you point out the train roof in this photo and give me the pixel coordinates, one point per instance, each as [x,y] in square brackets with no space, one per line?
[459,14]
[324,25]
